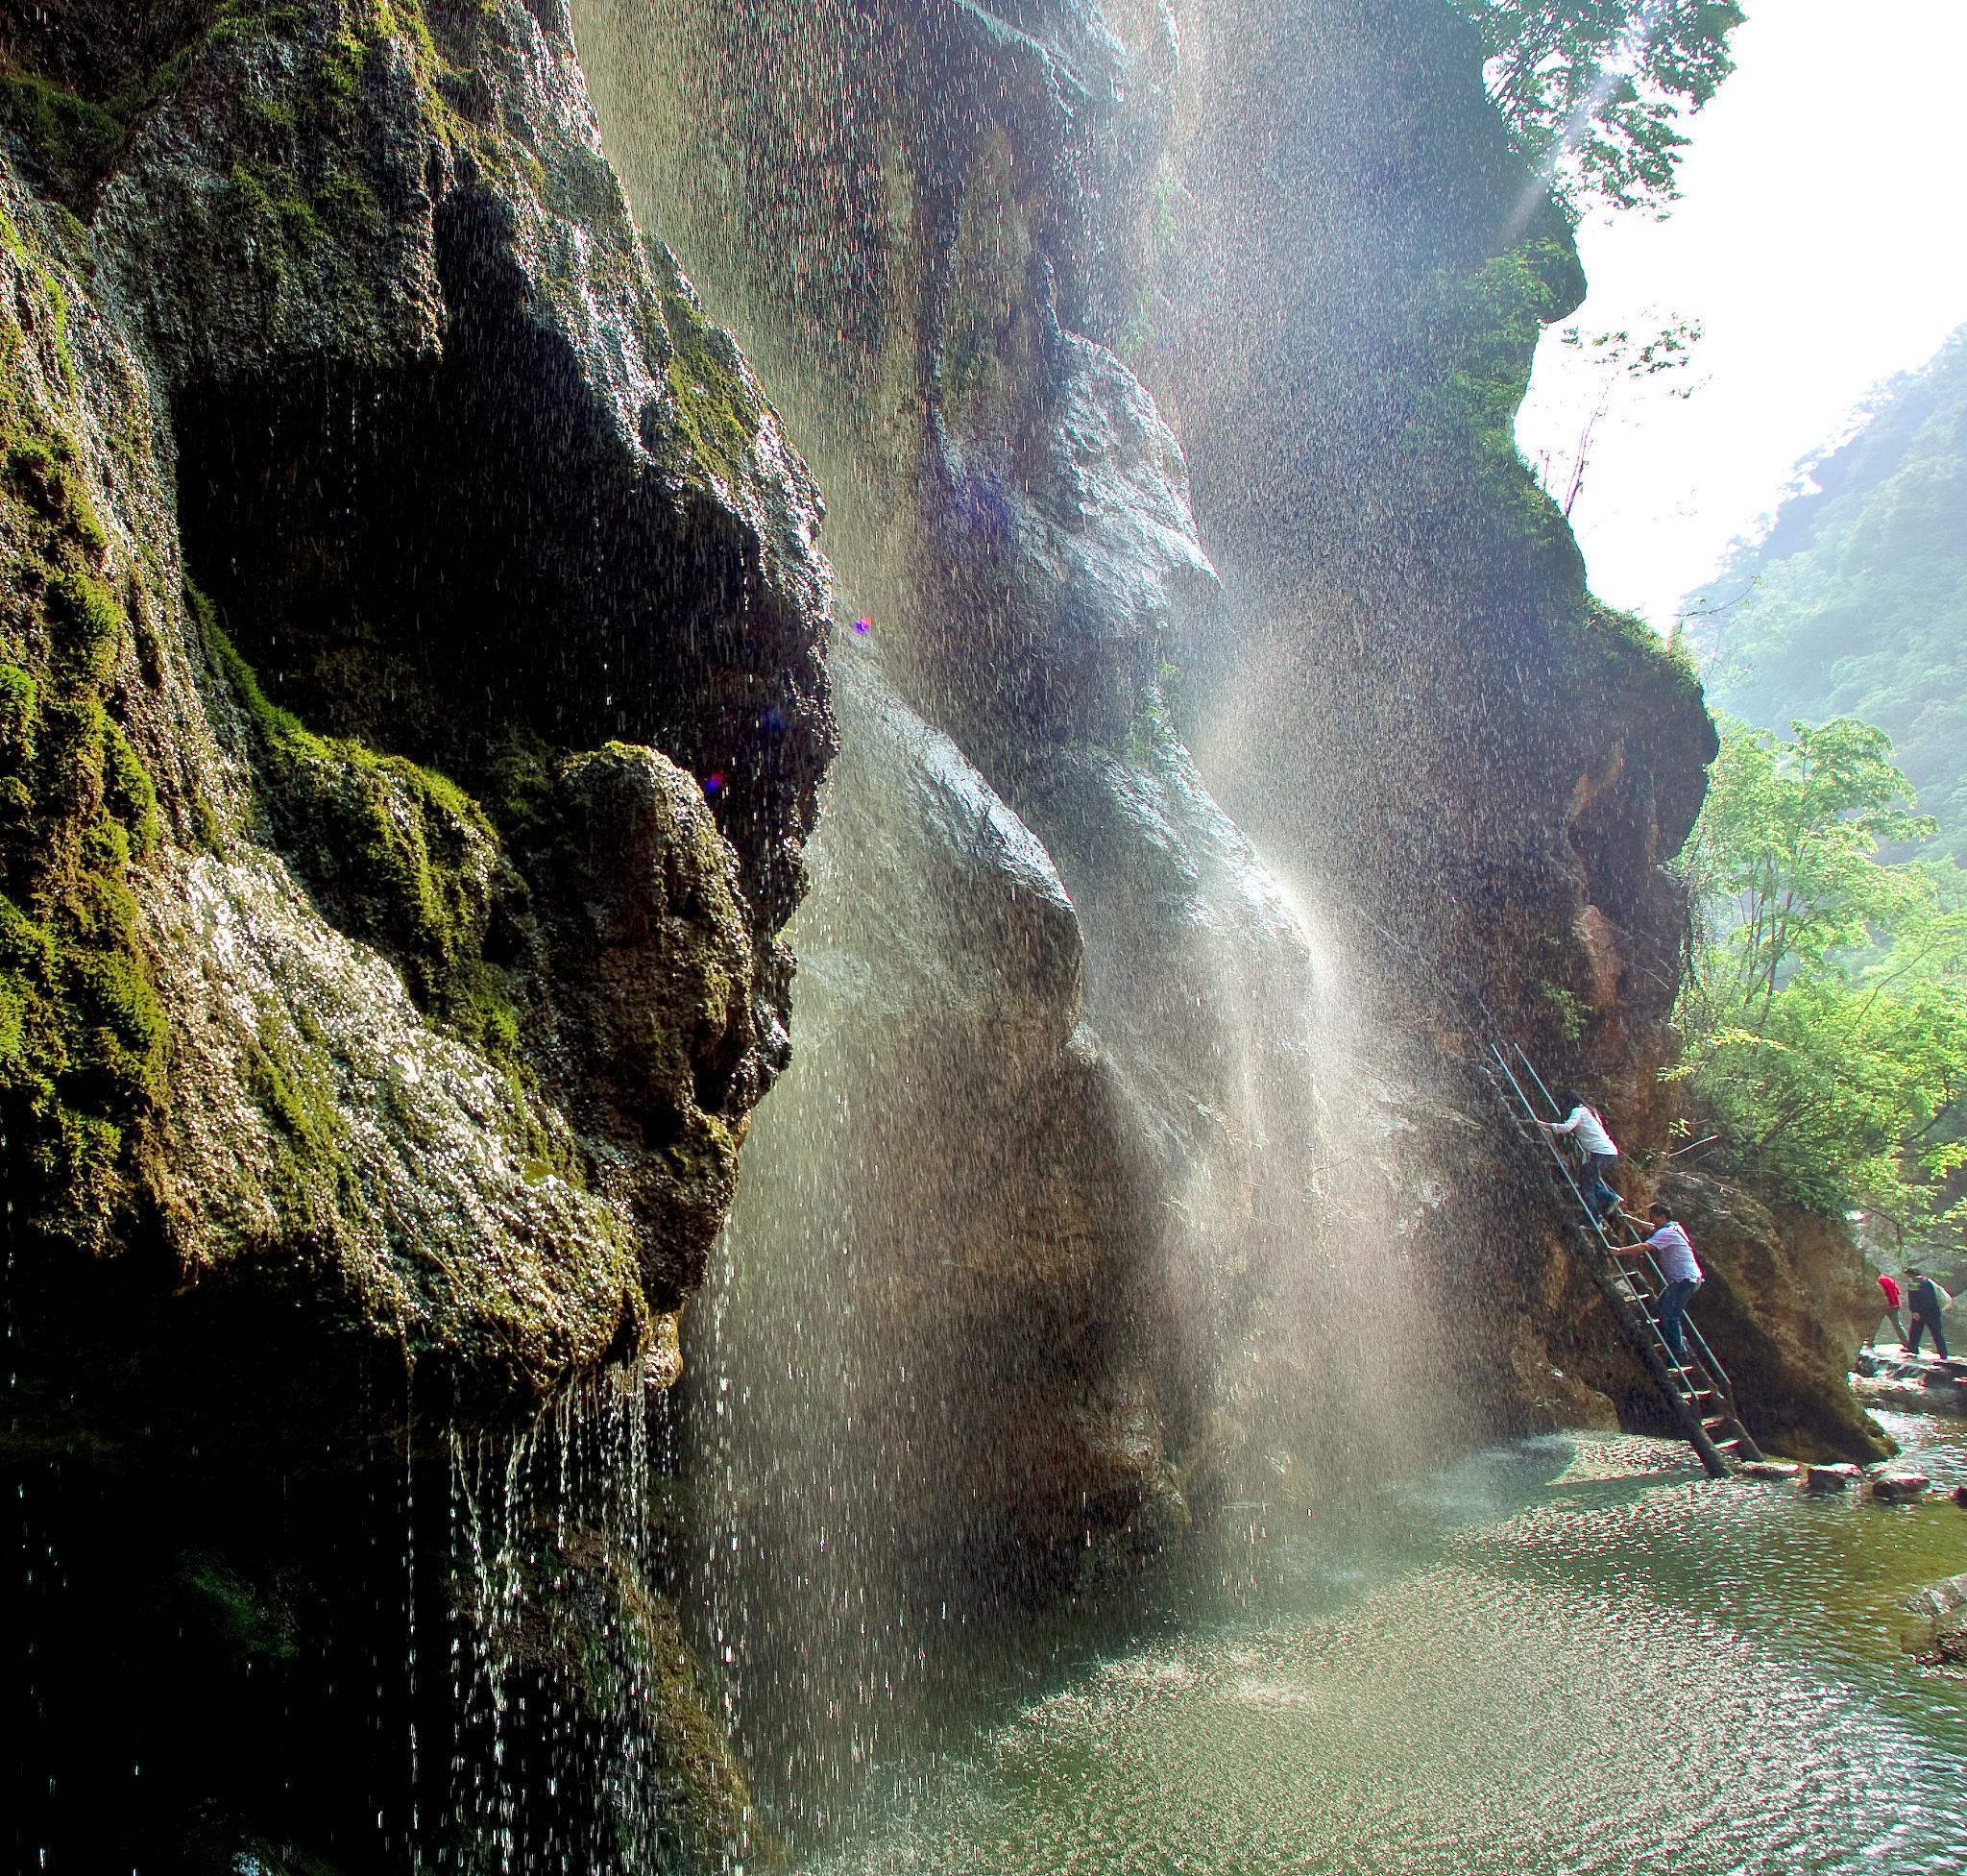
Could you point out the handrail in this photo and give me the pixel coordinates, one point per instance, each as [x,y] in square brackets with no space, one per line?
[1483,1023]
[1690,1329]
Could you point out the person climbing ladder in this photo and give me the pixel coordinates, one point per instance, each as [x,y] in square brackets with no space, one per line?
[1674,1252]
[1601,1156]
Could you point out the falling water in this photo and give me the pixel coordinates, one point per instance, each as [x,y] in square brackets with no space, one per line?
[1053,1414]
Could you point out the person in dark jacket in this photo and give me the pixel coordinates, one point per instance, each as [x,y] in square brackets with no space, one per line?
[1923,1297]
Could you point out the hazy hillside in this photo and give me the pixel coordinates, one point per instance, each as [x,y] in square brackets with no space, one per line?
[1856,603]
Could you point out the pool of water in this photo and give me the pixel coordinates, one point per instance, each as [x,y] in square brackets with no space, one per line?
[1569,1657]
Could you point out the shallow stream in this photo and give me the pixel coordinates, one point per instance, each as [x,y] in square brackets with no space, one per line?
[1573,1656]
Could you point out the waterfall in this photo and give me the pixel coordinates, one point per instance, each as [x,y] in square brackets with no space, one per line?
[1090,1217]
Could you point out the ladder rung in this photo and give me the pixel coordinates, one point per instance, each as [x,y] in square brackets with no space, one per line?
[1696,1380]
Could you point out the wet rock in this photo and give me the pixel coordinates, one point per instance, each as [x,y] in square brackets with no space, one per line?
[1899,1488]
[949,1158]
[1767,1468]
[1943,1611]
[1909,1383]
[1831,1479]
[407,1080]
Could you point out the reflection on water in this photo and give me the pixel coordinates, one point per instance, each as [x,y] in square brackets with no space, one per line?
[1568,1658]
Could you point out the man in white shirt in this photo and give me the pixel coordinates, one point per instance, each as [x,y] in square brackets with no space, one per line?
[1601,1156]
[1673,1252]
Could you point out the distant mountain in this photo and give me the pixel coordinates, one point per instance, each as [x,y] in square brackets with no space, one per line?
[1855,602]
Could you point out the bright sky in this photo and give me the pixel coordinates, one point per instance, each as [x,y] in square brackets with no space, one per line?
[1821,240]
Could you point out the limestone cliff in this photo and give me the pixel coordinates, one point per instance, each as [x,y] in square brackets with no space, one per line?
[413,640]
[412,711]
[412,706]
[968,243]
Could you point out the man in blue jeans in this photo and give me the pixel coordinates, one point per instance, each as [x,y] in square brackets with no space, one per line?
[1601,1157]
[1674,1252]
[1927,1301]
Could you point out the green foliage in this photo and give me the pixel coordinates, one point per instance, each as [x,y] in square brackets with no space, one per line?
[1481,329]
[1826,1012]
[1594,90]
[1856,603]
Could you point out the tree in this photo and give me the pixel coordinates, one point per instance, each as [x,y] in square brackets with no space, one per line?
[1619,363]
[1593,90]
[1825,1013]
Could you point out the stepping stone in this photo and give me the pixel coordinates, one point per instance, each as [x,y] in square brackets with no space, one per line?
[1768,1469]
[1897,1488]
[1830,1478]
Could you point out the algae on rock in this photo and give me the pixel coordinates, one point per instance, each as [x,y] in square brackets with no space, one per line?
[324,1031]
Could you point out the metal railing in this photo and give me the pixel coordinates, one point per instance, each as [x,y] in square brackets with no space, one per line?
[1683,1382]
[1694,1339]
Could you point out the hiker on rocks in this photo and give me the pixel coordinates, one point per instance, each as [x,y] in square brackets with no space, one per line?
[1674,1252]
[1927,1299]
[1601,1157]
[1891,1312]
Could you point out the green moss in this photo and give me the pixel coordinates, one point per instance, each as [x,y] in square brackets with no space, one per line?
[69,140]
[249,20]
[400,857]
[518,779]
[307,1121]
[345,206]
[252,1624]
[82,1034]
[1619,636]
[128,788]
[42,472]
[87,626]
[18,700]
[717,411]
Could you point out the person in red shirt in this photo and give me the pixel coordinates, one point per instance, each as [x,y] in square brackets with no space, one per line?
[1891,1313]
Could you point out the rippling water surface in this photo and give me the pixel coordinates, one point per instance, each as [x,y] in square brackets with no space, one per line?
[1565,1658]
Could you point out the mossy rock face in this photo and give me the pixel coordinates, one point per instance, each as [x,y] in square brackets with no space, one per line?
[317,1069]
[82,1034]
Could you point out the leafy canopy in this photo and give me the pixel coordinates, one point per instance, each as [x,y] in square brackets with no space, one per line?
[1594,90]
[1825,1015]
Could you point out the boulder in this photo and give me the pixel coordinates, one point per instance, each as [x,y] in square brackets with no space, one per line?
[1899,1488]
[1830,1478]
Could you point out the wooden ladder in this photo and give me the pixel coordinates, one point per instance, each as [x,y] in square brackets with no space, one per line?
[1696,1389]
